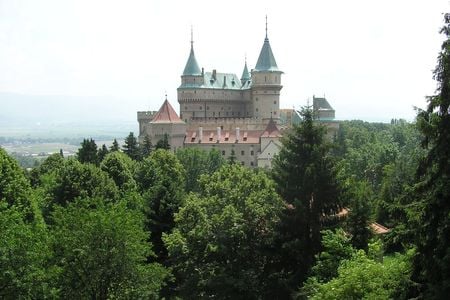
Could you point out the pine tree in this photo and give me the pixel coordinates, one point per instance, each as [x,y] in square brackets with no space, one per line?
[432,262]
[146,147]
[114,146]
[163,143]
[88,152]
[305,180]
[131,147]
[101,153]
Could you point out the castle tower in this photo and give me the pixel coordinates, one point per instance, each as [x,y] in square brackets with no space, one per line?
[192,74]
[266,84]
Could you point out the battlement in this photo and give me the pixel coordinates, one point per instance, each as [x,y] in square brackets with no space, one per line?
[145,115]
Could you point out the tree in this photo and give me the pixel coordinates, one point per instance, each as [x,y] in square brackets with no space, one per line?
[88,152]
[146,147]
[120,168]
[131,147]
[163,143]
[24,257]
[197,162]
[160,179]
[101,250]
[82,180]
[303,172]
[219,247]
[14,186]
[101,153]
[232,157]
[359,216]
[432,263]
[115,146]
[362,277]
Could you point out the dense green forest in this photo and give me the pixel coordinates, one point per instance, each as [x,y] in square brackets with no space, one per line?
[140,221]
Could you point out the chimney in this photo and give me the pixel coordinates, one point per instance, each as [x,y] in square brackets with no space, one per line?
[203,71]
[238,134]
[200,134]
[214,74]
[218,134]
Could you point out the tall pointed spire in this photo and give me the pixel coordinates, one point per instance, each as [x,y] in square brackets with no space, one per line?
[192,67]
[245,73]
[266,60]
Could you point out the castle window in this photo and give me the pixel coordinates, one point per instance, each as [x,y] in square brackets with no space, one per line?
[265,78]
[221,108]
[256,98]
[223,152]
[193,114]
[232,113]
[219,113]
[251,163]
[214,113]
[274,112]
[252,153]
[227,114]
[185,108]
[243,163]
[201,107]
[207,108]
[256,109]
[275,102]
[242,152]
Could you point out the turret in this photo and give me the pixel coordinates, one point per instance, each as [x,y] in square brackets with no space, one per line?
[246,77]
[266,83]
[192,76]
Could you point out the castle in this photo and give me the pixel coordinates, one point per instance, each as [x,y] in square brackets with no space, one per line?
[239,117]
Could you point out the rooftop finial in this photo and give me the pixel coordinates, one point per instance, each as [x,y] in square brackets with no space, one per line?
[165,92]
[192,37]
[266,26]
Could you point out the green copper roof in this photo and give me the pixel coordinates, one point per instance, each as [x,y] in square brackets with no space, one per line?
[245,74]
[192,65]
[266,60]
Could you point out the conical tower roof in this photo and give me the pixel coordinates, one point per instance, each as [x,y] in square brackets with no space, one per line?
[166,114]
[191,67]
[245,74]
[271,130]
[266,60]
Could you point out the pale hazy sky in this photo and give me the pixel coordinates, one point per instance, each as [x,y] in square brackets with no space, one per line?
[373,60]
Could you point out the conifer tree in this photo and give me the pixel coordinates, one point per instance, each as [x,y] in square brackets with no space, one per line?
[303,172]
[432,262]
[146,147]
[114,146]
[163,143]
[88,152]
[101,153]
[131,147]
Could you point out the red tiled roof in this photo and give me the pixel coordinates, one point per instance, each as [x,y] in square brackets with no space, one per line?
[378,228]
[166,114]
[271,130]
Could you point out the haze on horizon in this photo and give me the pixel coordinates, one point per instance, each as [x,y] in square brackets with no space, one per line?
[373,60]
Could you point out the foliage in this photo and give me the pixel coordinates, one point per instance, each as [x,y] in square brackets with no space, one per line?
[303,172]
[101,252]
[14,186]
[359,217]
[160,179]
[120,168]
[218,248]
[115,146]
[432,263]
[88,152]
[337,247]
[163,143]
[82,180]
[24,254]
[364,278]
[131,147]
[146,147]
[101,153]
[197,162]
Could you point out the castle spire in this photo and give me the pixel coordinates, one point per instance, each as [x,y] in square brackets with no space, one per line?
[266,60]
[192,67]
[245,73]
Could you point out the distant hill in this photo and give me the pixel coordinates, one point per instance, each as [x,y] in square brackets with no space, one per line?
[65,116]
